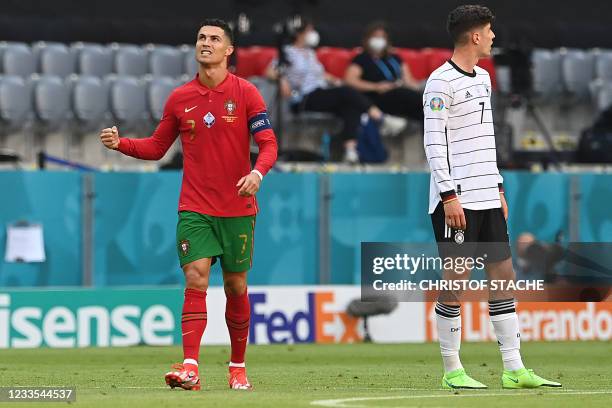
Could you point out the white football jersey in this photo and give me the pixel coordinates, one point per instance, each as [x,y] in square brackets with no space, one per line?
[459,139]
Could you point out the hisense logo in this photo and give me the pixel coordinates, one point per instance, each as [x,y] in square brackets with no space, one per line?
[124,325]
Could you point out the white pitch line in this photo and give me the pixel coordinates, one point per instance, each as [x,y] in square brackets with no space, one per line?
[327,389]
[344,402]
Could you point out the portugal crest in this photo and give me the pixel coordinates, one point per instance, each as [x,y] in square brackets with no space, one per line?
[184,245]
[230,106]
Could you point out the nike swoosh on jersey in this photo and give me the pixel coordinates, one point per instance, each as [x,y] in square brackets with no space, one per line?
[190,109]
[245,259]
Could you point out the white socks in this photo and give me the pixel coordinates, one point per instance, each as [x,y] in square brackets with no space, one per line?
[505,322]
[448,323]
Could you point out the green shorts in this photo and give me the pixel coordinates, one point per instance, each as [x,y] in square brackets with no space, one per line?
[204,236]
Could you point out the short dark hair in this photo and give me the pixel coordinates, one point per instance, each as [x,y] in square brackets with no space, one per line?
[375,26]
[304,23]
[216,22]
[465,18]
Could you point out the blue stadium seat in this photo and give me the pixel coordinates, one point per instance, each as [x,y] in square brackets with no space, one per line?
[93,59]
[190,65]
[89,100]
[578,71]
[16,59]
[130,59]
[128,101]
[504,80]
[15,102]
[603,65]
[38,46]
[165,61]
[266,88]
[604,96]
[54,59]
[311,124]
[158,90]
[51,100]
[547,72]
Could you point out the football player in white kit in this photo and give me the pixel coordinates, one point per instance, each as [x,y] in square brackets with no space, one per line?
[467,204]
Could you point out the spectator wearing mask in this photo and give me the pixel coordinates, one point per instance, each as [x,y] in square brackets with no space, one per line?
[383,77]
[312,89]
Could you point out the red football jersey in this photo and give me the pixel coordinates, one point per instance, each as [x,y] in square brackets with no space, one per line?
[215,126]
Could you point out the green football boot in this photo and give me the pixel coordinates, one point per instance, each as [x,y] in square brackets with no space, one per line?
[459,379]
[525,378]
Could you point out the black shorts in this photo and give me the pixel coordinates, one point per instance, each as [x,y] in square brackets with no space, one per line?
[486,235]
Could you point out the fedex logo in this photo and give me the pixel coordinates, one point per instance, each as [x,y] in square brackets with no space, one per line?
[317,322]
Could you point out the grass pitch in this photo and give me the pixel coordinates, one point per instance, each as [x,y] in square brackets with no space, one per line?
[350,376]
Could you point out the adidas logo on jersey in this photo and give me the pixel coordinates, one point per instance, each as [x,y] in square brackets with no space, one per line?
[468,95]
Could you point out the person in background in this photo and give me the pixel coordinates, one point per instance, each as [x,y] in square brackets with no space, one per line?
[382,76]
[311,88]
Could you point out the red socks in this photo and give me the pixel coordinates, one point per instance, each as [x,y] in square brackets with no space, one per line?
[194,318]
[193,321]
[237,317]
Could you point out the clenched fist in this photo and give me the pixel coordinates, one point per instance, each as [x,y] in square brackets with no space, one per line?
[249,185]
[110,138]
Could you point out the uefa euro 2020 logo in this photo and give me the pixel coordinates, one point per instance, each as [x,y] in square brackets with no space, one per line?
[436,104]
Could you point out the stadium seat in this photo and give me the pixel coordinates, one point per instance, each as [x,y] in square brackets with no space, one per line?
[267,89]
[416,61]
[16,59]
[128,100]
[547,78]
[158,90]
[54,59]
[603,65]
[488,65]
[15,102]
[335,60]
[165,61]
[578,71]
[604,97]
[51,100]
[190,65]
[262,57]
[503,79]
[89,100]
[436,57]
[130,59]
[93,59]
[246,63]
